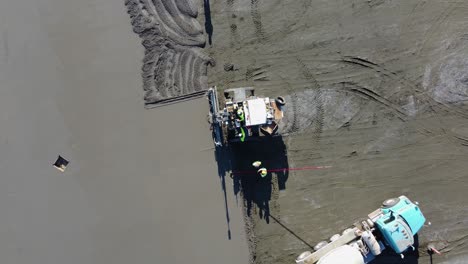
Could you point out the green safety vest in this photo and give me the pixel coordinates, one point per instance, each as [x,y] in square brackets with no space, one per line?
[241,117]
[242,139]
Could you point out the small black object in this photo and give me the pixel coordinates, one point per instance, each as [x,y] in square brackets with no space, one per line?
[61,163]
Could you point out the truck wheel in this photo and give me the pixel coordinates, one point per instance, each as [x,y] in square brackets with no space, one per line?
[334,237]
[320,245]
[390,202]
[303,257]
[346,231]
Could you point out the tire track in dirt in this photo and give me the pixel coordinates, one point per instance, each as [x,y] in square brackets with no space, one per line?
[249,226]
[435,28]
[419,4]
[235,37]
[404,117]
[257,73]
[463,141]
[290,124]
[353,87]
[234,33]
[394,108]
[292,26]
[318,121]
[373,3]
[275,207]
[369,94]
[407,83]
[294,127]
[257,21]
[437,24]
[357,116]
[354,118]
[408,22]
[226,77]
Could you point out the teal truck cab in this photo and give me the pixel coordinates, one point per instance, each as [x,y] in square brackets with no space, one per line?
[399,221]
[391,227]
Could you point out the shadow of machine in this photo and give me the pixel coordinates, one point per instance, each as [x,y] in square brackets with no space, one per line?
[244,129]
[271,151]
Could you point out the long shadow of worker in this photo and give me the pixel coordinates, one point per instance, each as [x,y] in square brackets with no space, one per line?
[208,23]
[390,257]
[255,189]
[222,156]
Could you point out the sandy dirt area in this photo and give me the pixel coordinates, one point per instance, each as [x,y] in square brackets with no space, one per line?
[375,89]
[141,186]
[174,64]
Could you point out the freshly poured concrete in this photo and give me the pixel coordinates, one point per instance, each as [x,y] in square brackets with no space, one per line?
[141,186]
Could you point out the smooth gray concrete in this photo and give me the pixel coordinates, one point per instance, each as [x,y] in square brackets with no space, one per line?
[141,186]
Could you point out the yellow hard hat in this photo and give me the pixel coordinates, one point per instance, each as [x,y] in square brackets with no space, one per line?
[257,164]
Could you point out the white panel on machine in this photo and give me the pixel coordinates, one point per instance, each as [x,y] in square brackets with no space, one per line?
[255,112]
[341,255]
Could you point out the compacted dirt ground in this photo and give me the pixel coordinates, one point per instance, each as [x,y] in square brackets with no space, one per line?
[377,90]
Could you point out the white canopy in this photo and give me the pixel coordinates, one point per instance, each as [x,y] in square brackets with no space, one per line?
[256,111]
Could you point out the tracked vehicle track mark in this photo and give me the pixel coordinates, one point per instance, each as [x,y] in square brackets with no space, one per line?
[421,95]
[401,112]
[235,37]
[294,127]
[376,98]
[435,27]
[257,73]
[257,20]
[318,122]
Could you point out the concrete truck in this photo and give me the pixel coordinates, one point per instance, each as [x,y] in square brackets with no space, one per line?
[238,115]
[391,227]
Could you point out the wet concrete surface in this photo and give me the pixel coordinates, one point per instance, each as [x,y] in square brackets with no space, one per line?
[377,91]
[141,185]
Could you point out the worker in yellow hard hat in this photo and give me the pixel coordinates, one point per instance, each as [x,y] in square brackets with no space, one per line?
[262,172]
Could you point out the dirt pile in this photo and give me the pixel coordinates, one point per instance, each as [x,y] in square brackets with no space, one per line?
[174,64]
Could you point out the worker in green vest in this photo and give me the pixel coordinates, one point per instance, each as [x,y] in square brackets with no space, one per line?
[240,114]
[242,134]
